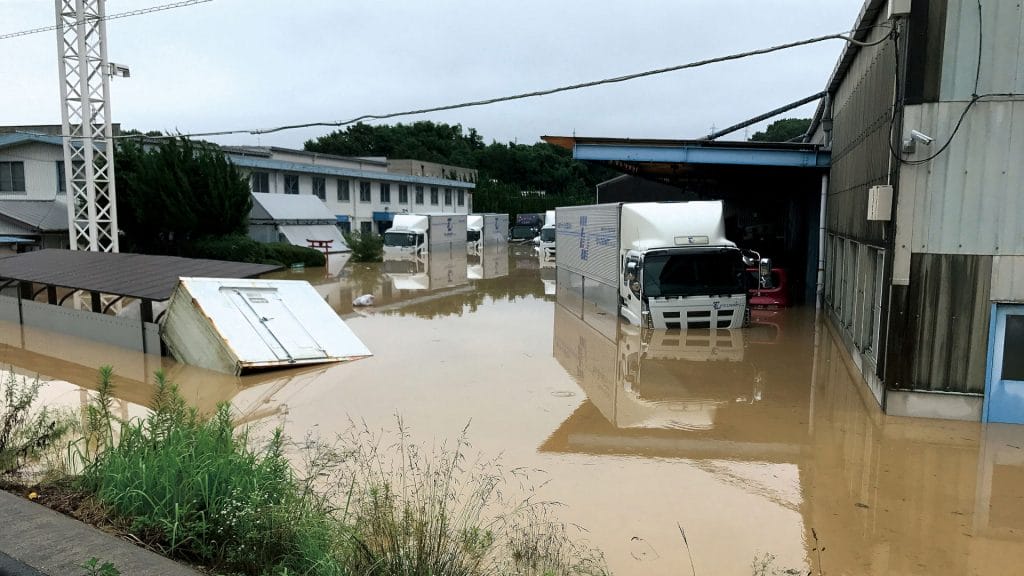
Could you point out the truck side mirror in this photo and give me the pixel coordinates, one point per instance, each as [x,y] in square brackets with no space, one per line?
[764,273]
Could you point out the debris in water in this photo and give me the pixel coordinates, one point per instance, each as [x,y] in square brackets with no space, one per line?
[641,550]
[861,505]
[364,300]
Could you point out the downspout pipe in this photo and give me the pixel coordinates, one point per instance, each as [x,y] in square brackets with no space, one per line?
[819,301]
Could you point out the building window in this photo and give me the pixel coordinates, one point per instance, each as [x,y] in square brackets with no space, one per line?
[342,190]
[433,195]
[366,227]
[345,227]
[260,182]
[12,176]
[403,194]
[62,184]
[385,192]
[447,196]
[462,197]
[291,184]
[364,191]
[419,194]
[320,187]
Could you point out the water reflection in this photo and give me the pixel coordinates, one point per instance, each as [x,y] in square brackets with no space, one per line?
[885,495]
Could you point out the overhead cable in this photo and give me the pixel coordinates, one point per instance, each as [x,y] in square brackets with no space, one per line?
[119,15]
[534,94]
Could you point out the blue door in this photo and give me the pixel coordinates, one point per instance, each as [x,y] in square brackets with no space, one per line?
[1004,394]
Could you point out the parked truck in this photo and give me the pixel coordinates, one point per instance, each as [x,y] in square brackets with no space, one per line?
[485,230]
[526,228]
[669,263]
[412,236]
[546,240]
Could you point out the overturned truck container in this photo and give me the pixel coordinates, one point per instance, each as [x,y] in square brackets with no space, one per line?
[242,326]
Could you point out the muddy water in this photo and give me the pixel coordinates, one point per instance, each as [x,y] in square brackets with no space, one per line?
[753,442]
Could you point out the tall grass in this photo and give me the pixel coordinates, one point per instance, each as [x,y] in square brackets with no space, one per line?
[196,489]
[440,513]
[27,433]
[366,504]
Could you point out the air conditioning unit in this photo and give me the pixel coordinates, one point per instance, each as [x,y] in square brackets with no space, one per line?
[880,202]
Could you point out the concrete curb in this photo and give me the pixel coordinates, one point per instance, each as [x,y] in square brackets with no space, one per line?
[36,541]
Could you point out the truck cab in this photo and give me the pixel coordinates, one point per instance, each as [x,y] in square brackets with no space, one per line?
[526,228]
[474,233]
[546,240]
[407,237]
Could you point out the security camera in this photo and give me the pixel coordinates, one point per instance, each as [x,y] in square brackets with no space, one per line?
[921,137]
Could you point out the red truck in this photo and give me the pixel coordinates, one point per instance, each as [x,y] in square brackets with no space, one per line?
[771,297]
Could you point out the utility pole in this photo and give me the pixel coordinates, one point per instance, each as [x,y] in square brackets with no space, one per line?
[85,119]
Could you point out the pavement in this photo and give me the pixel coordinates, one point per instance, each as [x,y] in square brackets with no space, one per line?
[36,541]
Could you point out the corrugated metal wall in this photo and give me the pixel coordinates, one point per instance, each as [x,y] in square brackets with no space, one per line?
[1008,278]
[937,324]
[861,111]
[968,200]
[1002,51]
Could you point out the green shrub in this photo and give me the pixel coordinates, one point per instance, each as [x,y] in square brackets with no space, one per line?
[231,248]
[289,254]
[245,249]
[367,247]
[25,434]
[194,488]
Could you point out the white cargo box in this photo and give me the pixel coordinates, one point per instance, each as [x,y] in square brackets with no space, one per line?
[495,230]
[447,233]
[238,326]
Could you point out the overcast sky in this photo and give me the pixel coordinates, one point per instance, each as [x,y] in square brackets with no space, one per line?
[243,64]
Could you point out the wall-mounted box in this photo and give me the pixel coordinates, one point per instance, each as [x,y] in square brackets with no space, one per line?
[880,202]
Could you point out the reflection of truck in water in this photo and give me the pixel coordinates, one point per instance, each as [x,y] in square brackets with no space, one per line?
[486,230]
[546,241]
[491,262]
[526,228]
[412,236]
[669,262]
[436,270]
[654,379]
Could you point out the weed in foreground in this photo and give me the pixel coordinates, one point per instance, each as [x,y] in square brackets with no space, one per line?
[26,433]
[442,514]
[93,567]
[195,489]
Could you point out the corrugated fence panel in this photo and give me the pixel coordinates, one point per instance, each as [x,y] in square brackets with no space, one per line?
[944,315]
[860,158]
[1008,278]
[1002,52]
[968,199]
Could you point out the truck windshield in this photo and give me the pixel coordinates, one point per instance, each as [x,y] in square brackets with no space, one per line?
[547,235]
[709,272]
[523,233]
[399,239]
[472,235]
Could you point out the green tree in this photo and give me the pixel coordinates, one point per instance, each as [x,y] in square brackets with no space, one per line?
[176,192]
[504,170]
[783,130]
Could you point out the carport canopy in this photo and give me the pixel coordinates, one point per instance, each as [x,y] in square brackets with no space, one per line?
[142,276]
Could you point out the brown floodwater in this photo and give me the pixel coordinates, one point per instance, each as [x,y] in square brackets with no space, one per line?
[752,442]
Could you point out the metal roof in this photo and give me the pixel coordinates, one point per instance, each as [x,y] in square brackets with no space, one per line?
[268,151]
[290,207]
[38,215]
[321,170]
[15,138]
[135,275]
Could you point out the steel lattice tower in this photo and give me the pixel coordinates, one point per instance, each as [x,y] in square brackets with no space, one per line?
[85,118]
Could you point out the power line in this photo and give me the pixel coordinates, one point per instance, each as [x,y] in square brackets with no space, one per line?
[117,16]
[537,93]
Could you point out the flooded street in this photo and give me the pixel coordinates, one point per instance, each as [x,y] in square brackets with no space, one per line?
[753,442]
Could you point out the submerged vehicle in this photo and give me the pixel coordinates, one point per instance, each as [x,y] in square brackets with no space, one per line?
[412,236]
[526,228]
[485,230]
[769,292]
[668,263]
[546,240]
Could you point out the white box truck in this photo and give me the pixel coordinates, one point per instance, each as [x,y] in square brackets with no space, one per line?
[412,236]
[483,230]
[669,263]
